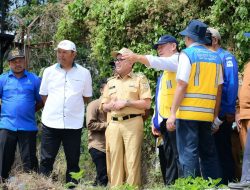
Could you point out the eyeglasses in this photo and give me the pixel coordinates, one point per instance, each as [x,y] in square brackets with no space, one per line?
[118,60]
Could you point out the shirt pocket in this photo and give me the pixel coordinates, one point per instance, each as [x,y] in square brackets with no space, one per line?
[27,92]
[133,91]
[77,85]
[9,93]
[112,92]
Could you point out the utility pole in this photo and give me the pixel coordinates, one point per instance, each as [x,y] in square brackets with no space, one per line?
[27,47]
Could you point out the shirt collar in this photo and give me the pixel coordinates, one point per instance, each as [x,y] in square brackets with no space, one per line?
[10,73]
[58,65]
[194,44]
[219,50]
[131,74]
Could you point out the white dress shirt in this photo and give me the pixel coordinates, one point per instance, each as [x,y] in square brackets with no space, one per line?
[64,107]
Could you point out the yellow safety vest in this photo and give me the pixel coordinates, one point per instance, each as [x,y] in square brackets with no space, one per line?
[166,93]
[200,98]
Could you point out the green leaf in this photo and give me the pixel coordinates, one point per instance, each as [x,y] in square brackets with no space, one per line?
[77,175]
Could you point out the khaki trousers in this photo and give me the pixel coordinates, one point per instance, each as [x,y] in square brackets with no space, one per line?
[237,152]
[108,161]
[124,141]
[245,125]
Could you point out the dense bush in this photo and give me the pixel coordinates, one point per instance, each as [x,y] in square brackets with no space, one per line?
[101,26]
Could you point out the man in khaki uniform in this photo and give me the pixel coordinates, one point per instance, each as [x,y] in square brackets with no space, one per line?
[126,97]
[167,60]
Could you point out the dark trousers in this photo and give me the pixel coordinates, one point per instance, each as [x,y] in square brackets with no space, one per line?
[224,150]
[196,149]
[163,161]
[237,153]
[27,146]
[99,159]
[173,168]
[50,143]
[246,160]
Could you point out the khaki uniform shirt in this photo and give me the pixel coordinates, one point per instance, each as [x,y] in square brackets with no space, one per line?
[133,86]
[96,124]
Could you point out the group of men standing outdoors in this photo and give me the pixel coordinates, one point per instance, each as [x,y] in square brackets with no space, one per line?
[63,90]
[195,102]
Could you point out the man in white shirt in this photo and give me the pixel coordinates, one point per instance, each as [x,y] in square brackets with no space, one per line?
[167,49]
[65,88]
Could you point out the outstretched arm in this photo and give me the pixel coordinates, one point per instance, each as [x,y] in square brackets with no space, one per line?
[133,57]
[160,63]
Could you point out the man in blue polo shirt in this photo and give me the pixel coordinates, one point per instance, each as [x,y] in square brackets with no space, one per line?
[19,92]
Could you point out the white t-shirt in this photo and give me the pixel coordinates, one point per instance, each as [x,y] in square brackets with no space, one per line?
[64,107]
[184,68]
[164,63]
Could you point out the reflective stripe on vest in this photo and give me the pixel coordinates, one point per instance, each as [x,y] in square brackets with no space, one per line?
[217,75]
[196,109]
[202,96]
[169,84]
[197,74]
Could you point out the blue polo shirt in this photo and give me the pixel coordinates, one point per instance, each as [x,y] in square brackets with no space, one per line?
[19,97]
[230,85]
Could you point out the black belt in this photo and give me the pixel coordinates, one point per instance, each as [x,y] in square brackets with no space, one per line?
[121,118]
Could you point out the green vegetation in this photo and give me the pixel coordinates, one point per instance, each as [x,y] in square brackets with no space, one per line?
[196,184]
[100,26]
[104,25]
